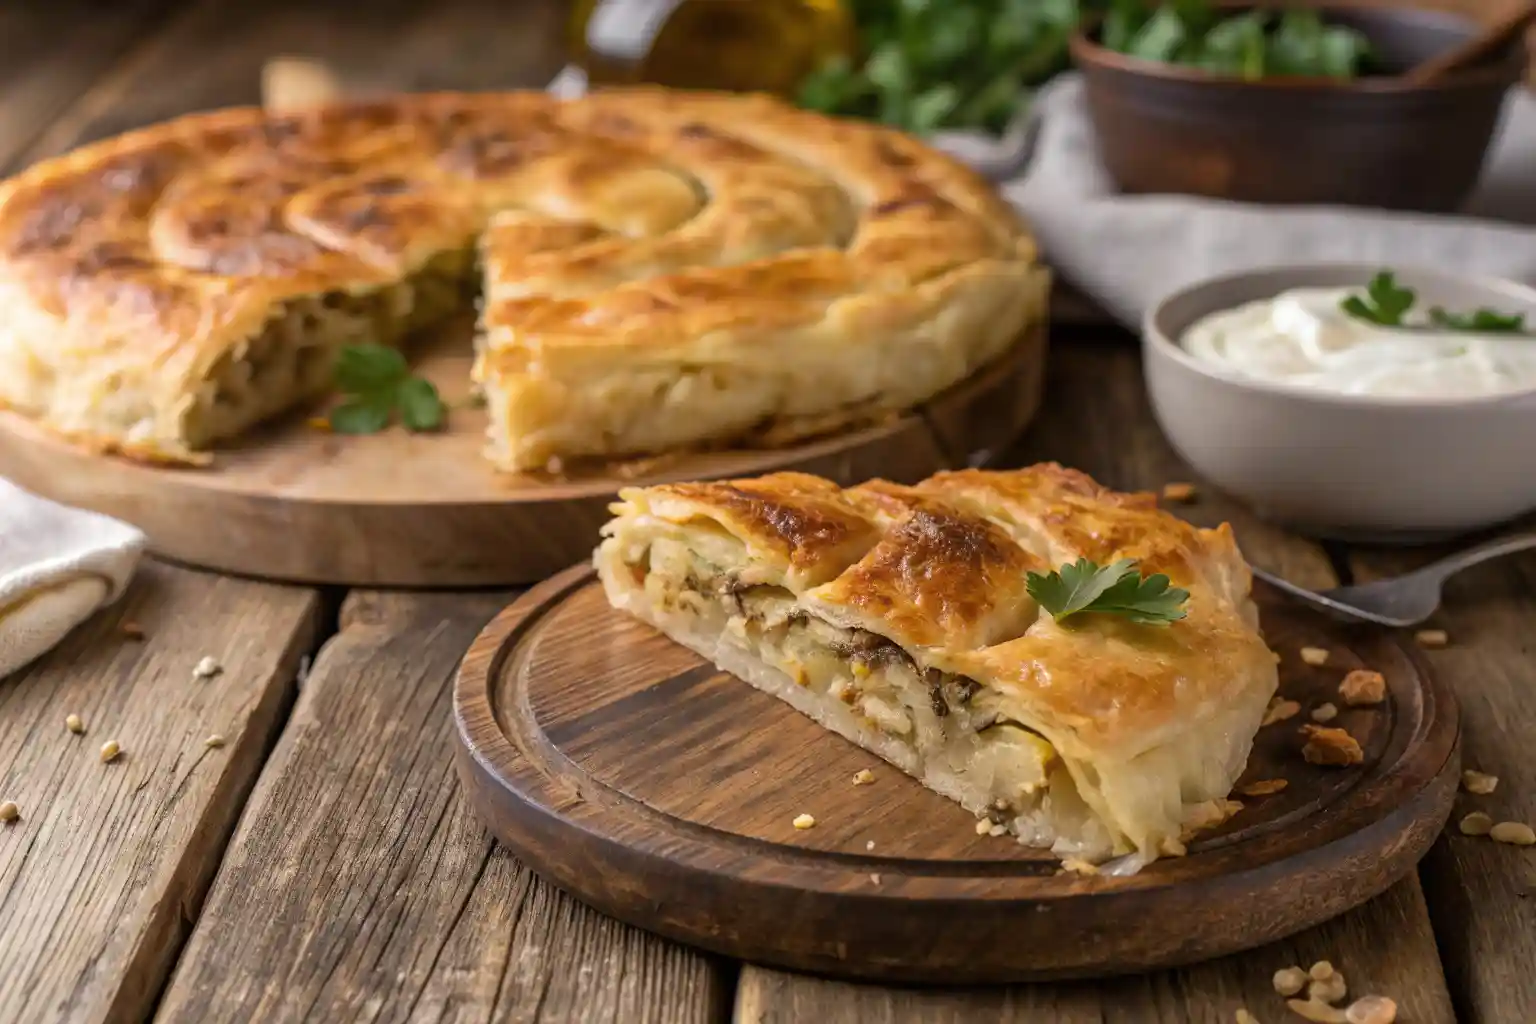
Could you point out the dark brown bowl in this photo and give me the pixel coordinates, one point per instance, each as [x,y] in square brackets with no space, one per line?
[1375,141]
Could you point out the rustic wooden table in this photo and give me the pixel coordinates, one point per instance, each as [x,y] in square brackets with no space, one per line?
[321,865]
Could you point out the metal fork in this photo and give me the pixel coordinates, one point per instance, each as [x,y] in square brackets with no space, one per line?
[1403,600]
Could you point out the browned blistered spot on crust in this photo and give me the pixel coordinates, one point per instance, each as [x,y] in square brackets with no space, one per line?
[935,574]
[785,511]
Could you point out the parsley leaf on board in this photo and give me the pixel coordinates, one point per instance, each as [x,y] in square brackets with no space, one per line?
[1384,302]
[421,408]
[359,416]
[378,383]
[1116,589]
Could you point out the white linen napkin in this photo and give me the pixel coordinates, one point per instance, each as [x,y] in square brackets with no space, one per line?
[1127,252]
[58,566]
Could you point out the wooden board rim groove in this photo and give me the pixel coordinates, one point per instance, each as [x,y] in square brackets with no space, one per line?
[657,885]
[393,510]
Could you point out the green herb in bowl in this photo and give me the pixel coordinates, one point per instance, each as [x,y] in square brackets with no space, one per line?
[934,64]
[1255,44]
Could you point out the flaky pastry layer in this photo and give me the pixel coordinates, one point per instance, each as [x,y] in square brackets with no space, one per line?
[899,618]
[658,270]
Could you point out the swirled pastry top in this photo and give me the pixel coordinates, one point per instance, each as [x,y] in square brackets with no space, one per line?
[658,269]
[1149,724]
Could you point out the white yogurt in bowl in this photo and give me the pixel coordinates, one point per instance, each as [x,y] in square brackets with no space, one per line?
[1342,427]
[1303,337]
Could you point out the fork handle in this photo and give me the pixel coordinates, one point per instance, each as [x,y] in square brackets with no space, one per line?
[1487,551]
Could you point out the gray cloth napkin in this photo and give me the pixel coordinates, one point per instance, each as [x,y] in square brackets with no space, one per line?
[1127,252]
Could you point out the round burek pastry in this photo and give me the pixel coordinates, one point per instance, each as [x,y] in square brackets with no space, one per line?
[656,270]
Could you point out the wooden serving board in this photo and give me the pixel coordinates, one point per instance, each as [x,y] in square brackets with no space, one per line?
[292,502]
[662,792]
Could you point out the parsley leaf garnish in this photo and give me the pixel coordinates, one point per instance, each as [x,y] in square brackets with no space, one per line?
[1387,304]
[1384,302]
[378,383]
[1487,321]
[1116,589]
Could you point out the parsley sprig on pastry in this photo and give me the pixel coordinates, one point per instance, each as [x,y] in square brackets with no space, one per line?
[902,618]
[657,270]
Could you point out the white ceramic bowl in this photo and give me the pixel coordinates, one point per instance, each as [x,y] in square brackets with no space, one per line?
[1345,466]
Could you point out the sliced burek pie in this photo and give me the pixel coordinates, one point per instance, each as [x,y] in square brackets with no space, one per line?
[1070,661]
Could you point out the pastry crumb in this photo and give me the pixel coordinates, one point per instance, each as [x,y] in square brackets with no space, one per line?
[1078,865]
[1328,990]
[863,777]
[1290,980]
[1432,638]
[1320,1013]
[1279,710]
[1363,687]
[869,845]
[1371,1010]
[1478,782]
[1314,655]
[9,812]
[875,878]
[997,830]
[206,668]
[804,821]
[1324,713]
[1180,491]
[1334,748]
[983,826]
[1263,787]
[1515,833]
[1475,824]
[214,742]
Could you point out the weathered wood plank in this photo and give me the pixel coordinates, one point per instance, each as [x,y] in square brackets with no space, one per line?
[50,53]
[212,55]
[1482,895]
[99,878]
[1096,418]
[360,885]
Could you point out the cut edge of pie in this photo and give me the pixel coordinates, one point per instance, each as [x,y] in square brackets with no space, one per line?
[898,618]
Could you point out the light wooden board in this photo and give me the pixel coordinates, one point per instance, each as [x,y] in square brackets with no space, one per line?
[100,877]
[291,502]
[1096,416]
[1482,895]
[360,886]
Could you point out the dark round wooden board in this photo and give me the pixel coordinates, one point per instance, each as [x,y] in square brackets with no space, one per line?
[293,503]
[662,791]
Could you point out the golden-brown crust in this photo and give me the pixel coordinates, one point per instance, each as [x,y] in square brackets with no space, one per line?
[635,225]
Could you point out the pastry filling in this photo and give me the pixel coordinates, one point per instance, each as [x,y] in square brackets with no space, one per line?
[293,355]
[947,730]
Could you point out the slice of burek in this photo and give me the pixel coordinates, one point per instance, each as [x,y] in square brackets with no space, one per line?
[900,618]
